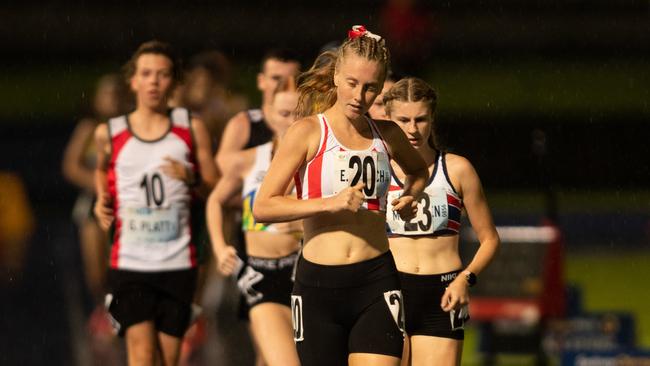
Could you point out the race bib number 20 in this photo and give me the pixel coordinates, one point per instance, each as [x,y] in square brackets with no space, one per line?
[352,167]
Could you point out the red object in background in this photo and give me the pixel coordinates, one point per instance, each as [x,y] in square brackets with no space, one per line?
[553,299]
[551,302]
[409,29]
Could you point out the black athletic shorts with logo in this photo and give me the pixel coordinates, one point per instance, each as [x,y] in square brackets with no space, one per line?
[343,309]
[162,297]
[424,316]
[265,280]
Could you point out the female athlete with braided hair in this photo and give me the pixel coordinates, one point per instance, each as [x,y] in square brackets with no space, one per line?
[346,301]
[426,248]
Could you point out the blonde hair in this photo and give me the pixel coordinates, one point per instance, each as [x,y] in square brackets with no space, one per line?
[316,86]
[413,90]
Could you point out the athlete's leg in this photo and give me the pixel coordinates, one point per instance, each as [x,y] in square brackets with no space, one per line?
[271,326]
[427,350]
[170,346]
[259,360]
[406,354]
[93,250]
[141,344]
[372,359]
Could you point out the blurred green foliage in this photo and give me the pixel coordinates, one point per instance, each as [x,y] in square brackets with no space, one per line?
[483,88]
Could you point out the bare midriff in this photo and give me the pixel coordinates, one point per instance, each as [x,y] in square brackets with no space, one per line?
[266,244]
[426,254]
[345,237]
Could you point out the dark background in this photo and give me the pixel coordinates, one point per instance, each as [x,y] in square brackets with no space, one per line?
[575,72]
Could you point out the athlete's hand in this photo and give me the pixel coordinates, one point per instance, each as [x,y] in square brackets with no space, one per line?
[456,295]
[177,170]
[406,207]
[103,211]
[227,260]
[349,199]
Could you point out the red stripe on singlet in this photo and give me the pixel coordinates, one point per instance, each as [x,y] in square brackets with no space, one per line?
[117,144]
[373,204]
[296,179]
[186,135]
[454,225]
[314,171]
[453,201]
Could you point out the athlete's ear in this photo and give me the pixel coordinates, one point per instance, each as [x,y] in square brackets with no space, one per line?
[336,76]
[132,84]
[260,81]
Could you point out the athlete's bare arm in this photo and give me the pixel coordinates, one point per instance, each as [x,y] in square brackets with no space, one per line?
[103,209]
[233,139]
[299,144]
[412,164]
[468,184]
[229,185]
[207,170]
[73,169]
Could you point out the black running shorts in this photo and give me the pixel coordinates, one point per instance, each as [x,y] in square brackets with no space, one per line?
[343,309]
[424,316]
[162,297]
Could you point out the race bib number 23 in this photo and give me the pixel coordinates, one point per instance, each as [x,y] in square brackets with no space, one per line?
[432,214]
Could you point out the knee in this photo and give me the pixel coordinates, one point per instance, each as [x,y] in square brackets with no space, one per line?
[141,356]
[141,353]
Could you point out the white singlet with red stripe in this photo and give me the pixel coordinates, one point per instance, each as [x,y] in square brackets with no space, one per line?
[336,167]
[152,222]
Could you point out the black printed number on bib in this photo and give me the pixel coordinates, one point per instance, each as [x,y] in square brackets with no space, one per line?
[432,214]
[424,224]
[296,318]
[153,189]
[363,169]
[369,168]
[396,306]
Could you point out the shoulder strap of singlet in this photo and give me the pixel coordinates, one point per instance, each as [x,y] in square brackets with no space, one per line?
[117,125]
[324,135]
[436,167]
[376,135]
[443,161]
[255,115]
[433,173]
[180,117]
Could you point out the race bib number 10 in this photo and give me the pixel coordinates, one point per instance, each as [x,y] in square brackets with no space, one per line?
[145,225]
[366,167]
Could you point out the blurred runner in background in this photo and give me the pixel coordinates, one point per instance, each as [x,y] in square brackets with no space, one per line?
[151,164]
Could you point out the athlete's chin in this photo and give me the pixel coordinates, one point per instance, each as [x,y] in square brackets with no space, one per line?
[155,103]
[353,114]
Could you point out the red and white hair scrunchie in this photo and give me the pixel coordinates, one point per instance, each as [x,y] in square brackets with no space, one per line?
[361,31]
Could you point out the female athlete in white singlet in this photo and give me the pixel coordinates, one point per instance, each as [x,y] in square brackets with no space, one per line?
[346,301]
[151,162]
[265,280]
[434,285]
